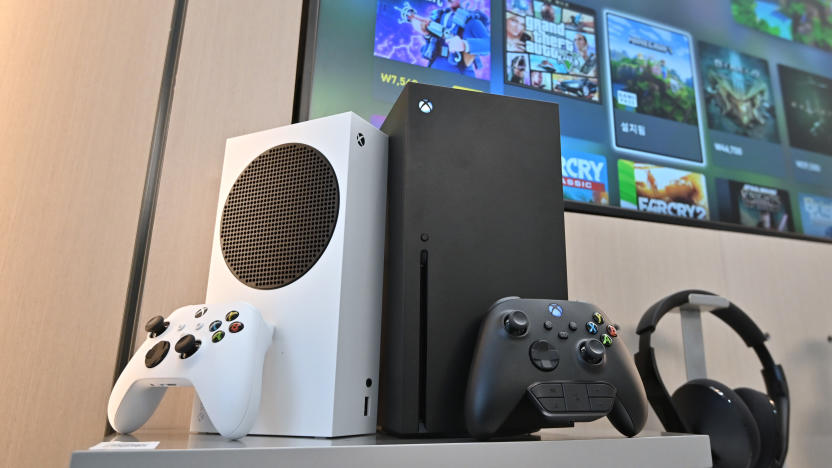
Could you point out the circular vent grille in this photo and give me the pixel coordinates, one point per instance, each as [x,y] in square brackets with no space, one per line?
[279,216]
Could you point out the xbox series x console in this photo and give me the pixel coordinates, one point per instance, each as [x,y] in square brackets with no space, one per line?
[299,235]
[475,213]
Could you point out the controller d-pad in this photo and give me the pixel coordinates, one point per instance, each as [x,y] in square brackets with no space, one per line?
[544,356]
[155,354]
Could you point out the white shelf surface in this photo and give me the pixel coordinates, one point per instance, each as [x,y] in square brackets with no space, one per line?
[543,449]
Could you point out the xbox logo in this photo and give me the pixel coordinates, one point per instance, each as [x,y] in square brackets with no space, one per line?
[425,105]
[360,139]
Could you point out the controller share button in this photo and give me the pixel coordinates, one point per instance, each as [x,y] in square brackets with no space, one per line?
[544,356]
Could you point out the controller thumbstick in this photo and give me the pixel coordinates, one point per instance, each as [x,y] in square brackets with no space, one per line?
[592,351]
[187,345]
[156,325]
[516,323]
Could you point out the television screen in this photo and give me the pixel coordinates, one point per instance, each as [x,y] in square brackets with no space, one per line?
[711,112]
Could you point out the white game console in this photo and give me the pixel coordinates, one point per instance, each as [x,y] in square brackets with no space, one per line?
[299,234]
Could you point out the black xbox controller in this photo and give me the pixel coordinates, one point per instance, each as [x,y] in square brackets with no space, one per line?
[548,363]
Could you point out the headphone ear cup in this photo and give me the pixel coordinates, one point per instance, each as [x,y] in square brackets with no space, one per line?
[708,407]
[765,415]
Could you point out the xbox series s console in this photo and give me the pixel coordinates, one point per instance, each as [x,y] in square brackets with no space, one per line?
[475,214]
[299,234]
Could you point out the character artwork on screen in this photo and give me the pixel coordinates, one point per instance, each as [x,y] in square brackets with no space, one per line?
[551,47]
[738,96]
[662,190]
[448,35]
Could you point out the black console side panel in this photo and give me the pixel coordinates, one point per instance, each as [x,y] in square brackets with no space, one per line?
[478,177]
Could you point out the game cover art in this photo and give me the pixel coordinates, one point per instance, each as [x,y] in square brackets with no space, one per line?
[651,70]
[551,46]
[804,21]
[816,214]
[662,190]
[584,177]
[754,205]
[808,102]
[448,35]
[738,97]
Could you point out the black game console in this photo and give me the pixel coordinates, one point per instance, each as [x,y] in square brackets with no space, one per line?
[475,213]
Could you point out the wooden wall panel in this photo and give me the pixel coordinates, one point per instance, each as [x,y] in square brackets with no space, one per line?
[236,76]
[79,82]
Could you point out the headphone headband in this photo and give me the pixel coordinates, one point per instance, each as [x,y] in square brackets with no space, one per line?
[741,323]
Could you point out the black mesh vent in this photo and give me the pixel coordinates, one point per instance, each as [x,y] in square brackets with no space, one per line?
[279,216]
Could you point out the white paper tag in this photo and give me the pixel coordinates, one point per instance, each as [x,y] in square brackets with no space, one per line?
[119,445]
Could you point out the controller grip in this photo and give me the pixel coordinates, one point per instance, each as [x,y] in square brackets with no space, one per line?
[629,411]
[131,404]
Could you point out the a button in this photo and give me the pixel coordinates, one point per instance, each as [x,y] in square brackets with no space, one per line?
[187,346]
[547,390]
[232,315]
[612,331]
[563,335]
[591,328]
[606,340]
[556,310]
[600,404]
[199,326]
[156,326]
[235,327]
[576,397]
[202,311]
[553,405]
[218,336]
[573,326]
[600,390]
[155,354]
[548,325]
[180,327]
[215,325]
[598,318]
[544,356]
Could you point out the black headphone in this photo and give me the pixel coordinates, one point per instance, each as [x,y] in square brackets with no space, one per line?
[747,428]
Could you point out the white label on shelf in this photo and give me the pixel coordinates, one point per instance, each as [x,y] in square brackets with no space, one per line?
[119,445]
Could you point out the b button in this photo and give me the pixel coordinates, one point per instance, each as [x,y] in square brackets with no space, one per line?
[235,327]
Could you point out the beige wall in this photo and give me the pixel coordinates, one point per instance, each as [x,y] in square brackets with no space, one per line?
[79,82]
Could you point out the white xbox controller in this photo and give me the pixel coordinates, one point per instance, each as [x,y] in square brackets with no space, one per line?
[216,348]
